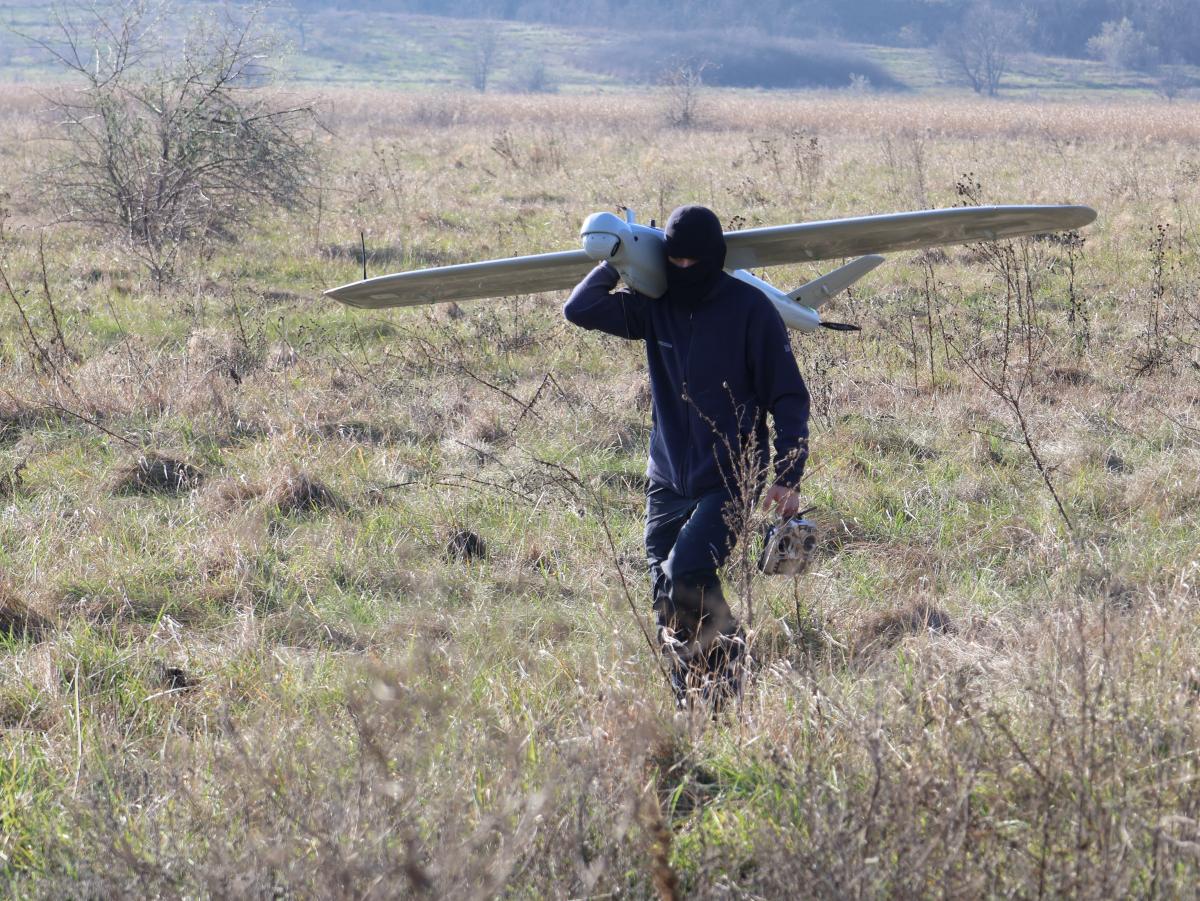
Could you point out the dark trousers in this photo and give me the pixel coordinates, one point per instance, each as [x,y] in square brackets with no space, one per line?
[687,540]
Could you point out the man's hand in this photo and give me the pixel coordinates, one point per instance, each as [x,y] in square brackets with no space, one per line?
[785,501]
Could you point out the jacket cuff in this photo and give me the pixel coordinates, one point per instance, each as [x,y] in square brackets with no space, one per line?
[790,469]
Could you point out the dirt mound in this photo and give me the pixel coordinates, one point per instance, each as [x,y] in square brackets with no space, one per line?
[18,417]
[885,629]
[213,350]
[229,494]
[465,545]
[11,480]
[295,491]
[287,492]
[173,677]
[18,620]
[157,474]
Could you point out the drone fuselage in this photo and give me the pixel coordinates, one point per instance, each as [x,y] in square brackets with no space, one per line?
[638,252]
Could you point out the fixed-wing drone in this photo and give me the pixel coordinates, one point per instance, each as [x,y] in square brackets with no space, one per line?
[638,253]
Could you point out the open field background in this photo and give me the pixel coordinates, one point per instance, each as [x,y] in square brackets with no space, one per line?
[354,48]
[294,675]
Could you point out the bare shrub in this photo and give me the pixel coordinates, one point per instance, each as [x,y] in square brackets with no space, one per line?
[1171,81]
[171,141]
[795,162]
[281,355]
[1011,358]
[49,353]
[546,153]
[683,83]
[534,77]
[905,155]
[1163,338]
[483,54]
[438,111]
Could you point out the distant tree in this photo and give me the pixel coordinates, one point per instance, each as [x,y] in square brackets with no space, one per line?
[534,78]
[1170,81]
[980,47]
[1062,27]
[911,35]
[1173,26]
[683,81]
[171,139]
[1122,46]
[482,56]
[859,84]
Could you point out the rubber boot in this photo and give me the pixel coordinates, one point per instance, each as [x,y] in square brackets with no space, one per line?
[704,640]
[675,652]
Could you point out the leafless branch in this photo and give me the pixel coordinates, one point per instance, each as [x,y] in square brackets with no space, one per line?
[172,141]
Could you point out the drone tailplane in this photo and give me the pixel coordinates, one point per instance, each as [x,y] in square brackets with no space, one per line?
[816,293]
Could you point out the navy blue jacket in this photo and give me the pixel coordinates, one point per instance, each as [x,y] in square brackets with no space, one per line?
[717,367]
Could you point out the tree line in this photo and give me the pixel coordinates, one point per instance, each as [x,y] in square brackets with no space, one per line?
[1137,33]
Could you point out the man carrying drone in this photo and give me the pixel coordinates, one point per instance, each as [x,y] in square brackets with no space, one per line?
[720,360]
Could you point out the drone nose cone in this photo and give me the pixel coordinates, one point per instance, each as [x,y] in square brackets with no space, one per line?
[601,246]
[602,234]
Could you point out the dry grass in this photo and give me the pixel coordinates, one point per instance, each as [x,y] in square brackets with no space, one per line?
[1134,122]
[287,682]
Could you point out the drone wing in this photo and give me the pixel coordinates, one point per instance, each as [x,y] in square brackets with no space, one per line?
[468,281]
[751,248]
[839,238]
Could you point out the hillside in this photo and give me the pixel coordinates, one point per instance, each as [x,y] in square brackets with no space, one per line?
[327,47]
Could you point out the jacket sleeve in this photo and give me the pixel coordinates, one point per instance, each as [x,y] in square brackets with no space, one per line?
[595,305]
[781,391]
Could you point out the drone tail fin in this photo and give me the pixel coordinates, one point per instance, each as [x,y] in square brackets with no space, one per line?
[816,293]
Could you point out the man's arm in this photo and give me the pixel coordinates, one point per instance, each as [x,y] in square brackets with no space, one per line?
[595,305]
[781,390]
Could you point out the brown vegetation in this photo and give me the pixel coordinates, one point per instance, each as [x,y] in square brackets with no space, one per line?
[268,685]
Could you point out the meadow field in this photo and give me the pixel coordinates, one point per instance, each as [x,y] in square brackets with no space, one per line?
[301,601]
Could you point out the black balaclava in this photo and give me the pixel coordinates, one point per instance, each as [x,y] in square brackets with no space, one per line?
[694,232]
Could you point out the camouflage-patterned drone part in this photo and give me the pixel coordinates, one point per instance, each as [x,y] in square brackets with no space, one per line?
[637,252]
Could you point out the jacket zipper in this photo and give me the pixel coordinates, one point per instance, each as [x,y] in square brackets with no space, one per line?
[687,365]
